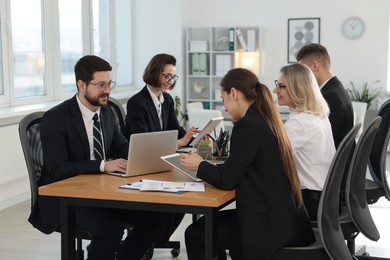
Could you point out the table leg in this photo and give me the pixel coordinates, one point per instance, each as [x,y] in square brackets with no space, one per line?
[211,252]
[68,249]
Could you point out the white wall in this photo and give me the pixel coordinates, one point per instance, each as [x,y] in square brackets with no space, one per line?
[159,27]
[361,60]
[14,184]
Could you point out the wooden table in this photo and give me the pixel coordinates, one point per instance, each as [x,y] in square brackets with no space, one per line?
[101,190]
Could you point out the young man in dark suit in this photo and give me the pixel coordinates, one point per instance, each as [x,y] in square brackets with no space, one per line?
[341,116]
[69,134]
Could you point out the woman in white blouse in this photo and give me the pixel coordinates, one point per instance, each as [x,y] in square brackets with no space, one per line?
[308,129]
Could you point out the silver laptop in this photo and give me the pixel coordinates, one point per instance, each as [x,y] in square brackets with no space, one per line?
[145,151]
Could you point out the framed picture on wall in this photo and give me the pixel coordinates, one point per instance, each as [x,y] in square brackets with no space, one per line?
[301,31]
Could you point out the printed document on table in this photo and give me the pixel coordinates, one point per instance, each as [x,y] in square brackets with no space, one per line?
[165,186]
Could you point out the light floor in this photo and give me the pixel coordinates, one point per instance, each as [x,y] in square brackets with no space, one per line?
[20,241]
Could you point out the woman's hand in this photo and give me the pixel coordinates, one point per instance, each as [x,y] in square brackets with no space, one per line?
[187,137]
[190,160]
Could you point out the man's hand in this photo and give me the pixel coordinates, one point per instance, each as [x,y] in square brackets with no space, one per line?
[118,165]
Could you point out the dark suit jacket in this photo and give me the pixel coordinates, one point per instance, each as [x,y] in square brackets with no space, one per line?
[268,216]
[66,153]
[341,111]
[142,115]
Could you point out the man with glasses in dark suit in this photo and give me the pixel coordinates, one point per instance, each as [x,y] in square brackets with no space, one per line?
[81,136]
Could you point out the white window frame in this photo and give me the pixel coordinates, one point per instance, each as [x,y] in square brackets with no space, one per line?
[52,52]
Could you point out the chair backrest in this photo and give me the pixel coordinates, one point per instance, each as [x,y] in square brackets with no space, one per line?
[359,109]
[377,162]
[194,105]
[30,138]
[328,209]
[118,111]
[355,190]
[200,118]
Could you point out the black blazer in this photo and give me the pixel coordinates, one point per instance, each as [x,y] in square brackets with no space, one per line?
[142,115]
[341,111]
[66,153]
[267,215]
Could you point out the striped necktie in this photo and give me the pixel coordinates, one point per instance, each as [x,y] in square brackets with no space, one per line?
[97,139]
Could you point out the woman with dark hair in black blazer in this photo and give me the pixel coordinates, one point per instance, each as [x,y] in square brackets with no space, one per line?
[269,212]
[153,109]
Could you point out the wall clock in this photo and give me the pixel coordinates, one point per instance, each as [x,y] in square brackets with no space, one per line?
[353,28]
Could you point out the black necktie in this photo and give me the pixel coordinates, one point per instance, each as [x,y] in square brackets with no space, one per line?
[97,139]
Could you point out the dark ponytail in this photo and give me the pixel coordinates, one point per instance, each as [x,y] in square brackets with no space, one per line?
[248,84]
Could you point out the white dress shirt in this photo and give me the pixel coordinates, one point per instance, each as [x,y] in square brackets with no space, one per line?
[313,148]
[158,101]
[88,123]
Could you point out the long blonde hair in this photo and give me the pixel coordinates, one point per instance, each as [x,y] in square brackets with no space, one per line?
[248,84]
[303,90]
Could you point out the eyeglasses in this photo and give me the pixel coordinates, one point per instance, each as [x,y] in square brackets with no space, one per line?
[279,86]
[169,77]
[104,85]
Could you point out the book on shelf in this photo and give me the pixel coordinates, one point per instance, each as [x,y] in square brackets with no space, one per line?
[231,39]
[222,64]
[241,39]
[251,34]
[199,64]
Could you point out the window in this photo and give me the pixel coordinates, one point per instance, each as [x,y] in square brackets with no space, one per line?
[71,41]
[27,48]
[101,28]
[1,71]
[124,44]
[47,37]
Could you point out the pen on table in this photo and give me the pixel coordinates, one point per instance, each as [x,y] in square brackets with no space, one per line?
[134,182]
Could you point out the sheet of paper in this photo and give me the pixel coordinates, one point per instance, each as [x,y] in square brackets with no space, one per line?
[164,186]
[171,186]
[133,186]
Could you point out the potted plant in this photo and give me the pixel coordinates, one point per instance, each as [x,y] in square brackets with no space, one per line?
[366,94]
[204,149]
[183,116]
[362,101]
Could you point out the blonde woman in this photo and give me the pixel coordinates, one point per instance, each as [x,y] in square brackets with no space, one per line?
[308,129]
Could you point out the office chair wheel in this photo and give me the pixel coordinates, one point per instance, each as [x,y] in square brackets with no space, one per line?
[175,252]
[149,253]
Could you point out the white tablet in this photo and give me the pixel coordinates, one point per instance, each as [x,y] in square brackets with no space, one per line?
[174,160]
[211,125]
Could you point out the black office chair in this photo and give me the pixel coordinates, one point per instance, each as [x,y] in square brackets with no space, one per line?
[357,217]
[120,117]
[330,242]
[30,138]
[378,186]
[118,111]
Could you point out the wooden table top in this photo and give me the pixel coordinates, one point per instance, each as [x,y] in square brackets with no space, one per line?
[104,186]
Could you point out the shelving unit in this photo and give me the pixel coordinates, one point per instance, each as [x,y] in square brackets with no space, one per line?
[211,52]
